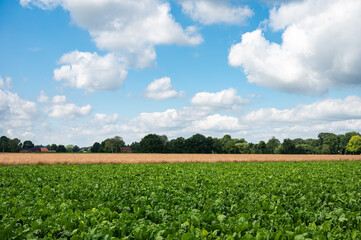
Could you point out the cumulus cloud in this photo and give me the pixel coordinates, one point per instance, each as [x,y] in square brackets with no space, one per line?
[106,118]
[5,83]
[129,28]
[328,115]
[12,107]
[17,115]
[162,89]
[90,71]
[69,111]
[59,107]
[215,11]
[58,99]
[320,48]
[225,99]
[325,110]
[218,122]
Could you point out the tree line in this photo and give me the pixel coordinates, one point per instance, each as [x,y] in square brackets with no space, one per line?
[326,143]
[15,145]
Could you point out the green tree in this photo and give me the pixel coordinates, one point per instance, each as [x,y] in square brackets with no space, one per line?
[176,145]
[4,144]
[69,148]
[95,148]
[151,143]
[76,148]
[217,146]
[354,145]
[230,147]
[225,139]
[322,136]
[165,142]
[28,144]
[114,144]
[53,147]
[333,143]
[61,148]
[135,146]
[15,145]
[243,148]
[272,145]
[344,140]
[261,147]
[288,147]
[198,143]
[325,149]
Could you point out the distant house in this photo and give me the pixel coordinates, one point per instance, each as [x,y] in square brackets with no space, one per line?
[126,150]
[35,150]
[44,149]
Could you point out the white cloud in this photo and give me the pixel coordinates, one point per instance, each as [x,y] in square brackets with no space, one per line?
[5,83]
[69,111]
[129,28]
[215,11]
[218,122]
[59,107]
[12,107]
[305,121]
[106,118]
[320,48]
[90,71]
[329,115]
[162,89]
[325,110]
[225,99]
[58,99]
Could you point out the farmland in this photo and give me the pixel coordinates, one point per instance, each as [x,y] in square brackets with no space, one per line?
[100,158]
[249,200]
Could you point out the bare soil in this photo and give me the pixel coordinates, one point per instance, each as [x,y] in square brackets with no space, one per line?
[86,158]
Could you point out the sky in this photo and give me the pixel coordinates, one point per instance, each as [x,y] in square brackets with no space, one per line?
[81,71]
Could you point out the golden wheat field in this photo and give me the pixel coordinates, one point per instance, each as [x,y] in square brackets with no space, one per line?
[86,158]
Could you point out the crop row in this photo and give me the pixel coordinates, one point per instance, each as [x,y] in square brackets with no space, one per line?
[269,200]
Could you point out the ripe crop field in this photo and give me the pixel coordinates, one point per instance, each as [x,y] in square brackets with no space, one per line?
[250,200]
[68,158]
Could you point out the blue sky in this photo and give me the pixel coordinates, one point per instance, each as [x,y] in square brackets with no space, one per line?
[76,72]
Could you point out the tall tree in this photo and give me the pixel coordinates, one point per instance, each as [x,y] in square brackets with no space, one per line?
[272,145]
[288,147]
[61,148]
[53,147]
[4,144]
[354,145]
[95,148]
[151,143]
[69,148]
[333,143]
[28,144]
[197,144]
[176,145]
[15,145]
[135,146]
[114,144]
[217,146]
[76,148]
[243,147]
[261,147]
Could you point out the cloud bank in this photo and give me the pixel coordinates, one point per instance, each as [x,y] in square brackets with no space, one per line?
[320,48]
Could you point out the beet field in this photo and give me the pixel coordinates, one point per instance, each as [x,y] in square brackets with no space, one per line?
[249,200]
